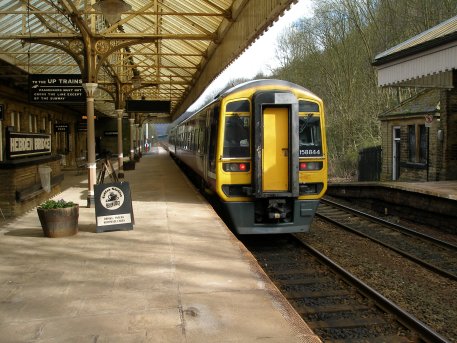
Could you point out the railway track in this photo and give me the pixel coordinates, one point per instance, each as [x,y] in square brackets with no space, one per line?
[335,304]
[431,253]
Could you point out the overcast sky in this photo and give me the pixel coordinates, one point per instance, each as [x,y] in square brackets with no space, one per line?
[260,57]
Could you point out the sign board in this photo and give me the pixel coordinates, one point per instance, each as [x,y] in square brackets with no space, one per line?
[81,126]
[56,88]
[27,144]
[428,120]
[61,128]
[113,207]
[110,133]
[148,106]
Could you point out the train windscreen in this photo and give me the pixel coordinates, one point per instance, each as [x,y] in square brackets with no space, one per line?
[310,136]
[236,137]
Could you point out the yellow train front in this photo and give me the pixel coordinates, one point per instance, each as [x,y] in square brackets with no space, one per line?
[260,146]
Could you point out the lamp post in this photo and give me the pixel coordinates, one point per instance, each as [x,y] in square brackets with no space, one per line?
[120,153]
[112,9]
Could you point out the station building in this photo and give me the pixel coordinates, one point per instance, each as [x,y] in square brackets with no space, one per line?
[419,136]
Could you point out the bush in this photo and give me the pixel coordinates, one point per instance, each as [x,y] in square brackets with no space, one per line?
[50,204]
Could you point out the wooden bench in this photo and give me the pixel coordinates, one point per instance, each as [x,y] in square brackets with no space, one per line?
[36,189]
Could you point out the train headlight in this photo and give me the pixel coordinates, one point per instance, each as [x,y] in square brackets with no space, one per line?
[311,165]
[236,167]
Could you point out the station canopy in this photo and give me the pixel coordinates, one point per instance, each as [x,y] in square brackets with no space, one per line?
[427,60]
[153,50]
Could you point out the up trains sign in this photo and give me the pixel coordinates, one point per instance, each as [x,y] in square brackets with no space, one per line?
[52,88]
[27,144]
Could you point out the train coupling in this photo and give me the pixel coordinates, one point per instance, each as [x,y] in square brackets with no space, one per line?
[277,209]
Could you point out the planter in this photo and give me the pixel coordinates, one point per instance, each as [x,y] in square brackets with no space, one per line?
[59,222]
[129,165]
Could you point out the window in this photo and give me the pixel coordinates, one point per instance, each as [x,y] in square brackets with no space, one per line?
[307,106]
[238,106]
[310,137]
[417,144]
[412,143]
[423,144]
[236,136]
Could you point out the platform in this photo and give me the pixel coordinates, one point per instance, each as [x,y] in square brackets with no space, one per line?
[432,203]
[179,276]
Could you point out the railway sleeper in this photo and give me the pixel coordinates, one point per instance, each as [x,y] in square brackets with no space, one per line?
[347,323]
[306,310]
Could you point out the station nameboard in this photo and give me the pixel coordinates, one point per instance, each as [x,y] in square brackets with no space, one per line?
[148,106]
[54,88]
[27,144]
[113,207]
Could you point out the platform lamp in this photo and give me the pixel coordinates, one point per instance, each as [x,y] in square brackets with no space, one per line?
[112,9]
[136,81]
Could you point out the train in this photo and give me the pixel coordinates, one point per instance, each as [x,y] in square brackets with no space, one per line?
[260,148]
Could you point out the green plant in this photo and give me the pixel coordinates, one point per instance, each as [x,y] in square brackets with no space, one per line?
[49,204]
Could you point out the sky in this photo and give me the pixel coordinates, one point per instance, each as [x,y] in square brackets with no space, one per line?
[260,56]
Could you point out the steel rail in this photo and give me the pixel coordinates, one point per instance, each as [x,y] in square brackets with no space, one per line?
[423,263]
[401,228]
[406,319]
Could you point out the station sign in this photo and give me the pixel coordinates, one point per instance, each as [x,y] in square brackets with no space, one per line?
[56,88]
[148,106]
[428,120]
[27,144]
[61,128]
[81,126]
[111,133]
[113,207]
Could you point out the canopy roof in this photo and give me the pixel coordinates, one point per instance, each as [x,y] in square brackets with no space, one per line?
[425,60]
[176,47]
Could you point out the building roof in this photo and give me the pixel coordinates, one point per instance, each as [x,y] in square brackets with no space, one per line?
[425,60]
[437,35]
[425,102]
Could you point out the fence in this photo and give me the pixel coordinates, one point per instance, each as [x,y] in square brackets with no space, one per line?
[370,160]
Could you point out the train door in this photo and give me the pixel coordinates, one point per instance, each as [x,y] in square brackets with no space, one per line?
[213,123]
[275,153]
[275,150]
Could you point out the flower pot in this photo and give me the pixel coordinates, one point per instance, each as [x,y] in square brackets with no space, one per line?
[59,222]
[129,165]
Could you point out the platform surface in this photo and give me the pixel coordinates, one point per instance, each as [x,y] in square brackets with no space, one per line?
[440,189]
[179,276]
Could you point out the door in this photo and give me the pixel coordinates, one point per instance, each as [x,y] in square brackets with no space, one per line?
[275,153]
[396,153]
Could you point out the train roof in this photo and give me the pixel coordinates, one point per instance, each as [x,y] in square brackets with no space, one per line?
[260,83]
[242,86]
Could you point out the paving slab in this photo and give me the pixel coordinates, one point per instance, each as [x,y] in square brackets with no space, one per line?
[179,276]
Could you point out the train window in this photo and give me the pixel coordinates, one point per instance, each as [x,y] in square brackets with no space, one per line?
[236,136]
[238,106]
[310,136]
[307,106]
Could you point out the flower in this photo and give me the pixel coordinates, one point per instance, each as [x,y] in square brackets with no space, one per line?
[50,204]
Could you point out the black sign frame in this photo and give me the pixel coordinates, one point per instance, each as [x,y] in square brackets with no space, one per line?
[56,88]
[148,106]
[113,207]
[19,144]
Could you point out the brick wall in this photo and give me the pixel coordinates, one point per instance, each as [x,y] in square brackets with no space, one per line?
[21,178]
[416,171]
